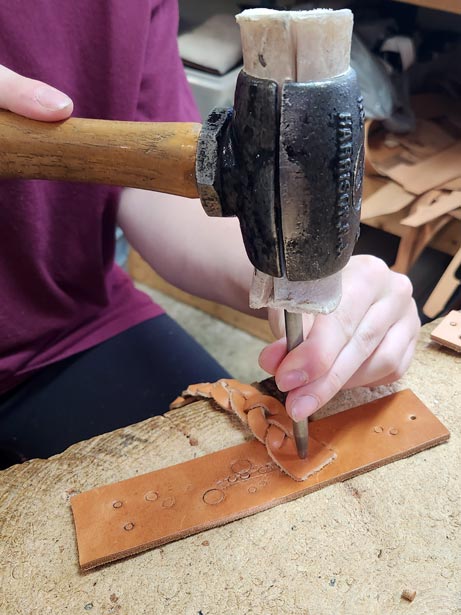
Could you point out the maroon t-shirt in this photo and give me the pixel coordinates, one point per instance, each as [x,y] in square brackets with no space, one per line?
[60,291]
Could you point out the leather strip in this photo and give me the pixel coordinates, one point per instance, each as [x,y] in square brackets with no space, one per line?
[444,288]
[448,332]
[430,172]
[146,511]
[443,205]
[389,199]
[414,241]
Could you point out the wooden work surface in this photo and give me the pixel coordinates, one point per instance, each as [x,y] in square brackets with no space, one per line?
[350,548]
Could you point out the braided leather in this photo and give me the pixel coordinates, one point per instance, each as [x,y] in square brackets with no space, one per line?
[267,419]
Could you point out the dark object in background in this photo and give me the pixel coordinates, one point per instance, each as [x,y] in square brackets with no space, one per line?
[9,455]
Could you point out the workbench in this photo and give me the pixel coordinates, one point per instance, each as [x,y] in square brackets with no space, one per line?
[350,548]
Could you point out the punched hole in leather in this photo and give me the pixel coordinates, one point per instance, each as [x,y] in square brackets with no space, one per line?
[120,519]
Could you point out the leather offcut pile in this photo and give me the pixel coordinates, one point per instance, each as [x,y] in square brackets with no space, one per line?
[416,177]
[267,419]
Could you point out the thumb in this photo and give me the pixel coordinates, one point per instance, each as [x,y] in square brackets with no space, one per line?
[31,98]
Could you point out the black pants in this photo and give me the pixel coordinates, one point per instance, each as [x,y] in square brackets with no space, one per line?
[126,379]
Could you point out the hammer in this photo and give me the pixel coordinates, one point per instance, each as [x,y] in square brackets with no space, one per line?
[287,159]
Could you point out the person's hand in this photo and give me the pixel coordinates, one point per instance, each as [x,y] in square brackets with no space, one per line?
[367,341]
[31,98]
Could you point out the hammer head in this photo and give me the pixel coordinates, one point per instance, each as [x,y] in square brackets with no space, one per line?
[289,164]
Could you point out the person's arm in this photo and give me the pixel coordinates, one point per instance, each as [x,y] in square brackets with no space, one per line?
[201,255]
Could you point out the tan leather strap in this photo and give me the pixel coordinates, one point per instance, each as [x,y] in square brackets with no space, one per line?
[444,289]
[429,212]
[146,511]
[414,241]
[430,172]
[448,332]
[389,199]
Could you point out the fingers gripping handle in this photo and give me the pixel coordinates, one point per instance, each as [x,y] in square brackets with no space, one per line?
[152,156]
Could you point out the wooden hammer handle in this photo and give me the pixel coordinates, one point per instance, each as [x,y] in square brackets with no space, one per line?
[153,156]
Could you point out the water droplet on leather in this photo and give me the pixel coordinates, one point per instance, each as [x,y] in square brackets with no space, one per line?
[265,469]
[213,496]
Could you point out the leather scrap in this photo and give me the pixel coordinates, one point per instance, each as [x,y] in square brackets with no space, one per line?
[444,288]
[266,418]
[389,199]
[427,139]
[453,184]
[424,163]
[443,205]
[430,172]
[124,518]
[448,332]
[378,156]
[414,240]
